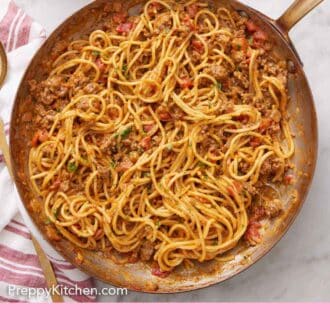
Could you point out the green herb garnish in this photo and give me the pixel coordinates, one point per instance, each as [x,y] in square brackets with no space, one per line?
[113,164]
[124,69]
[72,167]
[125,133]
[251,40]
[158,224]
[95,53]
[201,164]
[56,213]
[47,222]
[219,86]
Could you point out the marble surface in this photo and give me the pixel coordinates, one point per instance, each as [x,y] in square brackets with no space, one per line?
[298,268]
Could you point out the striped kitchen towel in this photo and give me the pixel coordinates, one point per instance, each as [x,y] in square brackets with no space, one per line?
[19,265]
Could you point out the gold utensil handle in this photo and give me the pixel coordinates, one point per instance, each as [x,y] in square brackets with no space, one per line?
[43,259]
[298,10]
[3,64]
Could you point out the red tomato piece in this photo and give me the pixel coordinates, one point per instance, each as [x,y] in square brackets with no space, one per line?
[192,10]
[125,28]
[198,46]
[146,143]
[159,273]
[251,26]
[186,83]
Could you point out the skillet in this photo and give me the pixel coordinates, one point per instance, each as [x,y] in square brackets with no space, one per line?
[138,276]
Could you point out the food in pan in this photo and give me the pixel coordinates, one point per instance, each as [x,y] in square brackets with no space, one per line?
[158,136]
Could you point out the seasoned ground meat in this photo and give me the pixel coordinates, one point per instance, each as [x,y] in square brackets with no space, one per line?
[219,72]
[274,208]
[147,250]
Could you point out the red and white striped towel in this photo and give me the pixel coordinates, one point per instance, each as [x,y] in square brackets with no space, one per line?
[19,264]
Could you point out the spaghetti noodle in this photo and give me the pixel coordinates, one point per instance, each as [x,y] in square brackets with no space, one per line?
[158,132]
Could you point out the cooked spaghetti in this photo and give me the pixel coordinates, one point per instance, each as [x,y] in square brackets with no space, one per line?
[158,134]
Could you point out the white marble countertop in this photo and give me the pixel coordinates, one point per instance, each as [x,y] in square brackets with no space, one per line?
[298,268]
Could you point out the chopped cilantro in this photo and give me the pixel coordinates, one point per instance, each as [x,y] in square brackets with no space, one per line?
[56,213]
[158,224]
[124,69]
[125,133]
[47,222]
[219,86]
[72,167]
[113,164]
[251,40]
[201,164]
[95,53]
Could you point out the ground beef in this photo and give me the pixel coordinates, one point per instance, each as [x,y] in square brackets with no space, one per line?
[147,250]
[270,167]
[219,72]
[274,208]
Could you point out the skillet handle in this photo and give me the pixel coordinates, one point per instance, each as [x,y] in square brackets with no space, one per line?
[298,10]
[3,64]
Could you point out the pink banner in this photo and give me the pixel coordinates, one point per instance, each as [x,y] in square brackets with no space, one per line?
[166,316]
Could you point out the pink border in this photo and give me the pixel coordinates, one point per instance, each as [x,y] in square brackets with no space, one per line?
[165,316]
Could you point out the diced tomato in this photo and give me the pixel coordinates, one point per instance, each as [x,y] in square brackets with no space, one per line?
[164,115]
[187,21]
[240,44]
[148,128]
[198,45]
[260,36]
[186,83]
[159,273]
[146,143]
[192,10]
[124,28]
[251,26]
[288,179]
[119,18]
[243,119]
[39,137]
[255,142]
[56,185]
